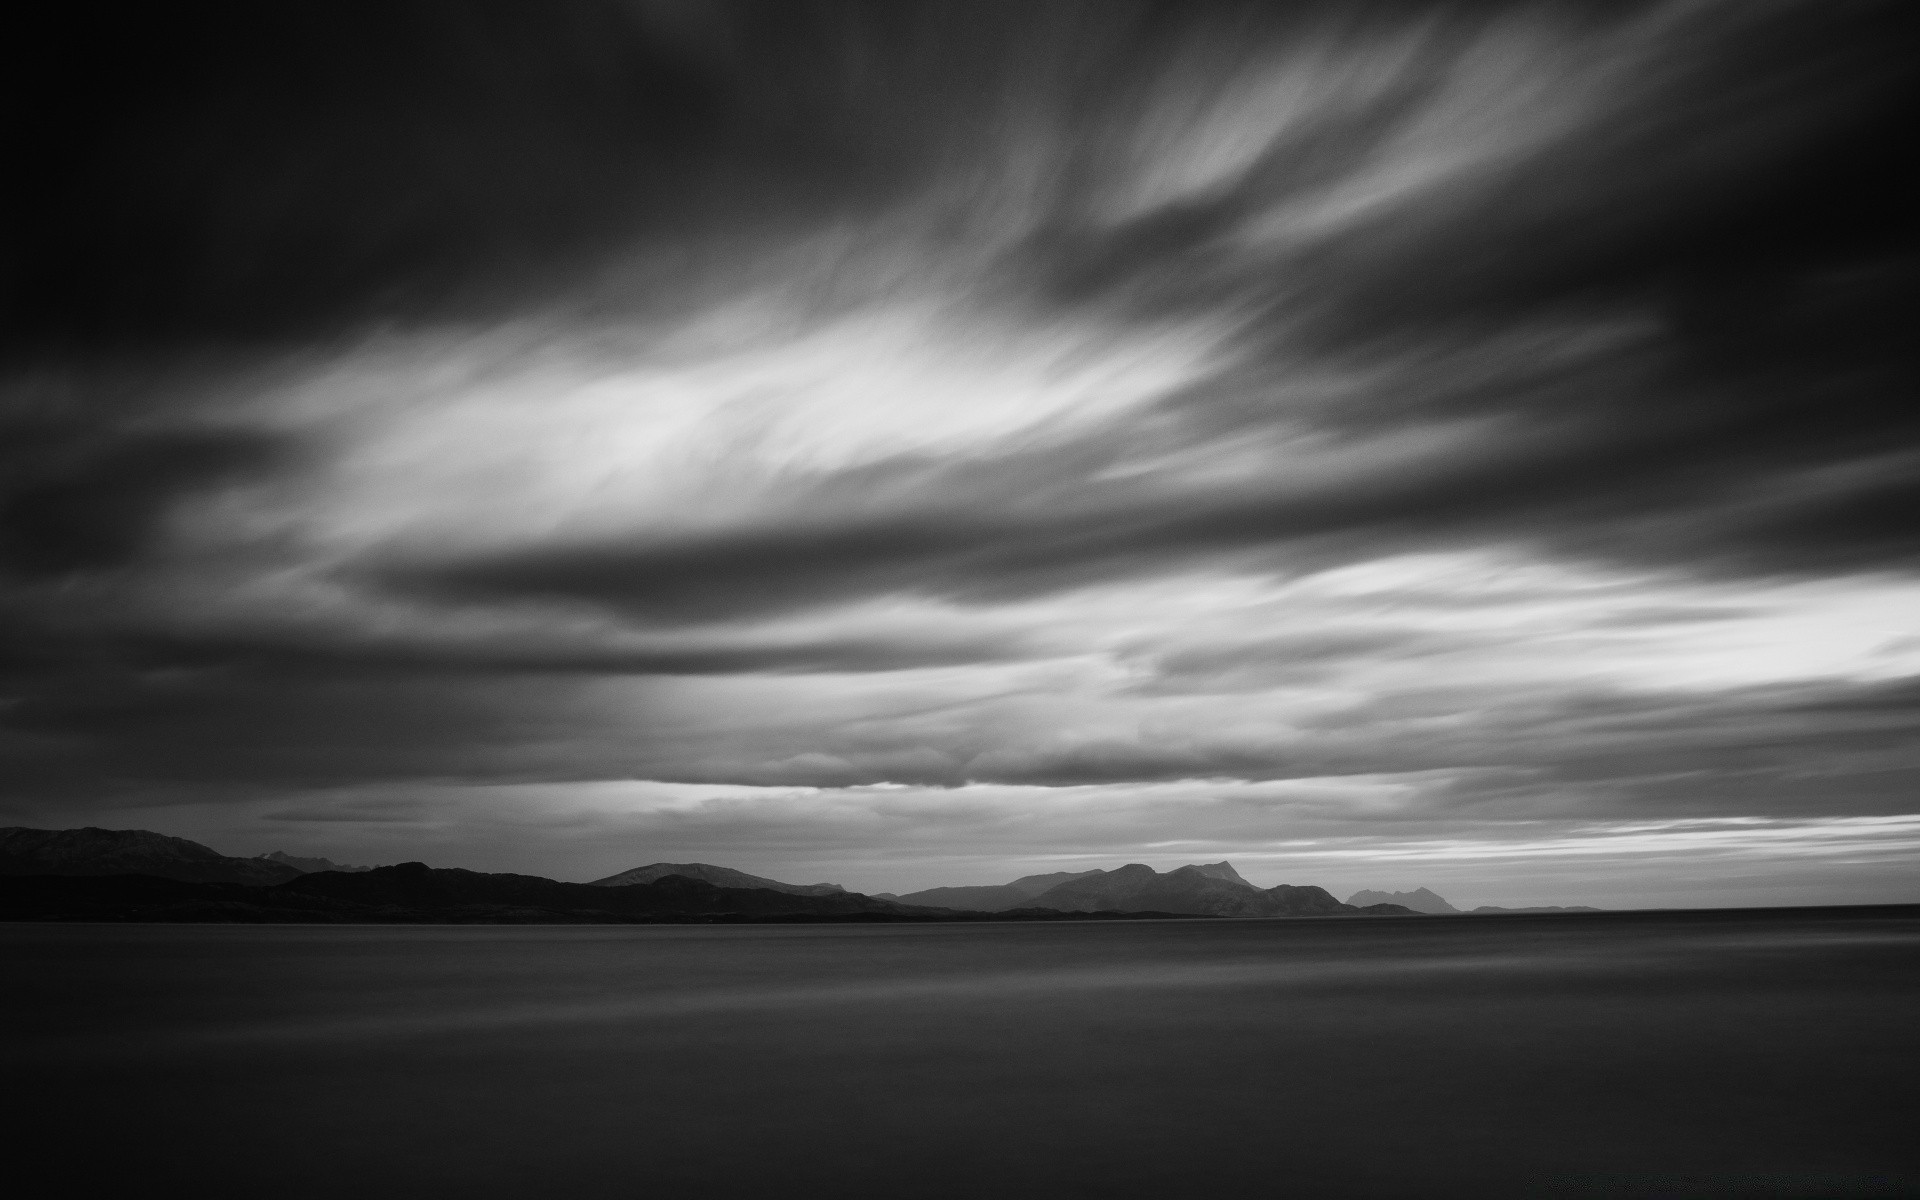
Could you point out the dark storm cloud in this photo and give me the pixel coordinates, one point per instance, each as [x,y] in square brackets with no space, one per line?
[234,730]
[229,172]
[89,498]
[235,172]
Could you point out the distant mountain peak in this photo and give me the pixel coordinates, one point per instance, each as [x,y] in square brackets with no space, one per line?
[1220,870]
[1419,900]
[1544,908]
[718,876]
[1213,889]
[307,865]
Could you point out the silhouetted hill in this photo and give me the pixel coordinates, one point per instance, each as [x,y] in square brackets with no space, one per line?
[137,875]
[1005,897]
[1193,890]
[93,851]
[1137,886]
[415,893]
[307,866]
[1572,908]
[415,885]
[1419,900]
[725,877]
[1033,885]
[992,897]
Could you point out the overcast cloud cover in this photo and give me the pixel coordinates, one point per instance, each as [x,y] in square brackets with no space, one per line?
[919,443]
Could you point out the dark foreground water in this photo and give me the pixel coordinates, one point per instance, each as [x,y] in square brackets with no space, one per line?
[1680,1054]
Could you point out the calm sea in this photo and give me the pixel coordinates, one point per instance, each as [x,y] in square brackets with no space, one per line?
[1761,1053]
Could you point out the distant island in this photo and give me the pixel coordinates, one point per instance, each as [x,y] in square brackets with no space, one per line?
[1199,889]
[1423,901]
[138,875]
[307,865]
[1419,900]
[1543,908]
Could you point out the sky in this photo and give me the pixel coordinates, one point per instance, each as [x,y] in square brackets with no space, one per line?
[1464,446]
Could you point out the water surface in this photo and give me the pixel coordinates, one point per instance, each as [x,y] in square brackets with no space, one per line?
[1679,1054]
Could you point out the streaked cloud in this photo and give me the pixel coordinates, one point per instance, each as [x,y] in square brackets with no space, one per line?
[1092,421]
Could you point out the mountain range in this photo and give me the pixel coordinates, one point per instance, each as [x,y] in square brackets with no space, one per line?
[308,866]
[132,874]
[990,897]
[416,886]
[1199,889]
[93,851]
[1424,901]
[139,875]
[416,893]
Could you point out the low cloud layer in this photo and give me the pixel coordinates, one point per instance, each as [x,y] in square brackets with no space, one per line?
[1072,399]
